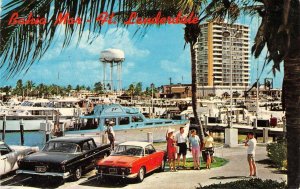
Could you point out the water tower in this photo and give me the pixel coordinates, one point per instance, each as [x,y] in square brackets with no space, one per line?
[114,58]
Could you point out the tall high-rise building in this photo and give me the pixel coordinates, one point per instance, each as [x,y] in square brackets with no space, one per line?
[222,48]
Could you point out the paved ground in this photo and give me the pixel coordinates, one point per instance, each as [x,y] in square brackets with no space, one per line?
[234,170]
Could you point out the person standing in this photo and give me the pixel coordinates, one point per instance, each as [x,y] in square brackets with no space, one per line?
[111,134]
[251,143]
[181,140]
[209,149]
[194,141]
[171,149]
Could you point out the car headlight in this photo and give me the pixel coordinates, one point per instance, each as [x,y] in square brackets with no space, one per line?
[128,170]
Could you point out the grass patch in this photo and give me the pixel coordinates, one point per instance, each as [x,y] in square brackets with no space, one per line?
[218,162]
[247,184]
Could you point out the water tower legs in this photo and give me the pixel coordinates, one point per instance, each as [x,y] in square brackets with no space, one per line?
[104,75]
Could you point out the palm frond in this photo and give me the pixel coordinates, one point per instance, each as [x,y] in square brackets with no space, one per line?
[22,45]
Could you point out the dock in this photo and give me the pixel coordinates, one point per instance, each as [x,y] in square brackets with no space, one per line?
[244,129]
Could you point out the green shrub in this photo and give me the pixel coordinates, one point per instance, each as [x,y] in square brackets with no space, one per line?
[277,152]
[248,184]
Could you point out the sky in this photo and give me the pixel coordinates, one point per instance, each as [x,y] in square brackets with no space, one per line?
[153,58]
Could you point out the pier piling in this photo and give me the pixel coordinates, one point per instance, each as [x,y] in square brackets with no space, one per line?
[104,138]
[4,127]
[22,131]
[237,119]
[265,135]
[205,122]
[150,137]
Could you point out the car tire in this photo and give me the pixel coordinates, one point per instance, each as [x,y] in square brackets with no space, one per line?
[77,174]
[162,166]
[141,174]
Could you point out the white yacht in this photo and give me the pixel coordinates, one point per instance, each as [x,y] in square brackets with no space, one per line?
[34,112]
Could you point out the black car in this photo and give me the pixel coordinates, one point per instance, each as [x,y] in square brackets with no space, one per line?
[64,157]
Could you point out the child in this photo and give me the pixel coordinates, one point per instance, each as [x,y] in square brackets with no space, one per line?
[171,149]
[209,145]
[194,140]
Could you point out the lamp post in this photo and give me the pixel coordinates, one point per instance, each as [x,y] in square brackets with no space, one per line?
[226,34]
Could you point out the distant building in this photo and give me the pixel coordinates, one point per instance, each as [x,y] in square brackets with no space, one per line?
[176,91]
[217,53]
[82,93]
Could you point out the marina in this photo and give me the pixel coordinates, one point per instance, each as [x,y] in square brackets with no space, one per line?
[213,114]
[100,105]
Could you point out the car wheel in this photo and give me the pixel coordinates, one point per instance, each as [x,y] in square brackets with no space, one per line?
[141,174]
[77,174]
[162,166]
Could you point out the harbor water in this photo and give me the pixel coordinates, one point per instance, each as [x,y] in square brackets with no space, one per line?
[36,138]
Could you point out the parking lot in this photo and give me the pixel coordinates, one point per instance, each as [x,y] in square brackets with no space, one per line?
[236,169]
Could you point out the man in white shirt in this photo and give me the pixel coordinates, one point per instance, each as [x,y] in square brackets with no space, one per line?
[181,140]
[251,143]
[111,134]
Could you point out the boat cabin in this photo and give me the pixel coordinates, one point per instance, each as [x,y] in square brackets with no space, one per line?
[123,118]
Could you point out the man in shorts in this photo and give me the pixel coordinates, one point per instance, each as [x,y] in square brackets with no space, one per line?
[111,134]
[251,143]
[181,140]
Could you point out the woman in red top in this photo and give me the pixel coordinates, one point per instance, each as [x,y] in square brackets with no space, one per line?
[171,149]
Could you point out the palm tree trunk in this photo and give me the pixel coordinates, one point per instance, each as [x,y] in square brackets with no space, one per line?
[194,90]
[191,33]
[292,95]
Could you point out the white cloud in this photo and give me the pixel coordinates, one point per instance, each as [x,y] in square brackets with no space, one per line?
[127,67]
[179,68]
[114,38]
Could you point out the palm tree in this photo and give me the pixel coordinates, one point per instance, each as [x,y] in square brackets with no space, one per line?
[41,88]
[30,37]
[279,31]
[29,87]
[138,89]
[19,88]
[98,87]
[131,90]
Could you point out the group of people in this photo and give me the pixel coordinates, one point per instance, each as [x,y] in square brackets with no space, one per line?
[177,145]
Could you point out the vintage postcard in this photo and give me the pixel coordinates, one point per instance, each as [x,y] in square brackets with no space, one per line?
[149,94]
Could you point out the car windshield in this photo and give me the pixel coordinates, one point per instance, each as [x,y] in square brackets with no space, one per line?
[129,150]
[64,147]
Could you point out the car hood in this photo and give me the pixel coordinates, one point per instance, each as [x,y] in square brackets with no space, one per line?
[49,157]
[119,161]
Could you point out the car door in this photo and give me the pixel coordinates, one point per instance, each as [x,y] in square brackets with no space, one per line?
[152,159]
[86,153]
[5,165]
[88,150]
[156,156]
[93,153]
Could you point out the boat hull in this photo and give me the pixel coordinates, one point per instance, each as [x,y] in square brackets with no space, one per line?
[135,134]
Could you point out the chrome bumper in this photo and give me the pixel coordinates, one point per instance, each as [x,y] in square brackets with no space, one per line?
[101,174]
[53,174]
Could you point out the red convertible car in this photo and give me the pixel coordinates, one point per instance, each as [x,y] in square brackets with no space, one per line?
[131,160]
